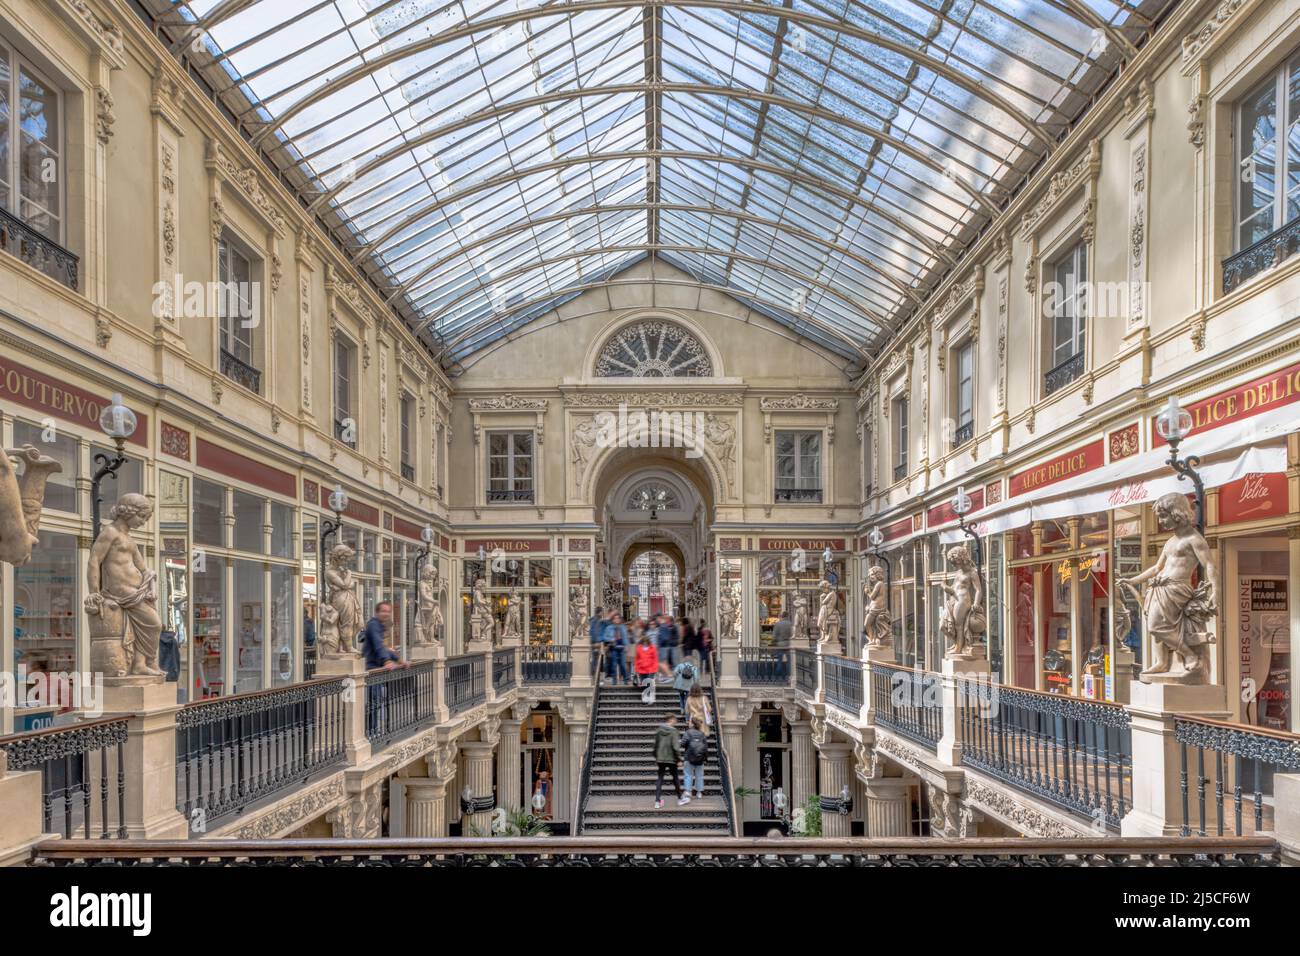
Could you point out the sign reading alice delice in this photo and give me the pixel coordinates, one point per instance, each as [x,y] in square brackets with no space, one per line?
[35,390]
[1061,467]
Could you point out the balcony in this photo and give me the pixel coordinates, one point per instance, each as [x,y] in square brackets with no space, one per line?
[510,496]
[1063,374]
[765,666]
[900,471]
[341,428]
[805,671]
[466,682]
[240,372]
[842,682]
[546,663]
[408,472]
[1272,250]
[45,255]
[798,496]
[964,434]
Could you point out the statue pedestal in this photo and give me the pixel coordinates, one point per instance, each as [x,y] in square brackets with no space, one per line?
[1157,764]
[352,669]
[426,652]
[22,821]
[956,670]
[438,654]
[149,757]
[477,646]
[883,654]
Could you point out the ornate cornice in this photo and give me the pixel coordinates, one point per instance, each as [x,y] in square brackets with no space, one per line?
[656,399]
[293,814]
[1030,821]
[1061,185]
[799,403]
[1198,44]
[104,34]
[508,403]
[249,182]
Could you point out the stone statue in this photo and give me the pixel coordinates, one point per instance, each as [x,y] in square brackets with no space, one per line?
[1175,613]
[581,444]
[513,631]
[428,617]
[721,435]
[963,621]
[340,618]
[21,501]
[482,625]
[876,623]
[799,626]
[727,615]
[122,599]
[828,616]
[579,615]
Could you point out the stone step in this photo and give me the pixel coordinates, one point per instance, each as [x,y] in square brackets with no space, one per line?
[657,827]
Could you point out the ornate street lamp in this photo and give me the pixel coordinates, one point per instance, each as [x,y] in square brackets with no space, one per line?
[117,422]
[427,535]
[338,502]
[1174,424]
[961,505]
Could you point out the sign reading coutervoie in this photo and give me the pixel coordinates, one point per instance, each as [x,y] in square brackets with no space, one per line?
[808,544]
[1072,463]
[1261,395]
[34,390]
[508,545]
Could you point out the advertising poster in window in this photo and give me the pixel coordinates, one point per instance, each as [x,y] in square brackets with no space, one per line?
[1264,648]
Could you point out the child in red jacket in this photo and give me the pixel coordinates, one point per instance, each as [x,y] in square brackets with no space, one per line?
[647,665]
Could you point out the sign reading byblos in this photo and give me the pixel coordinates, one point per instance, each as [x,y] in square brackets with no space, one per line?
[508,545]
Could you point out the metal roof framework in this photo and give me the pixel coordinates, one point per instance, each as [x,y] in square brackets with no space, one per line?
[826,162]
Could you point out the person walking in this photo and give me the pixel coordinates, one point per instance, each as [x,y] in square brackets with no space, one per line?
[685,677]
[647,666]
[706,647]
[697,708]
[596,630]
[783,631]
[668,650]
[695,751]
[690,642]
[668,751]
[617,644]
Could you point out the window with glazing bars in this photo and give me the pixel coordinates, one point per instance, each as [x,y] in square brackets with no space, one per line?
[407,452]
[510,466]
[31,157]
[799,466]
[1268,176]
[899,413]
[345,363]
[1067,302]
[235,301]
[965,410]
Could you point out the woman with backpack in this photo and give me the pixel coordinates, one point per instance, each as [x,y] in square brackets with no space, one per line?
[697,708]
[647,666]
[685,677]
[695,751]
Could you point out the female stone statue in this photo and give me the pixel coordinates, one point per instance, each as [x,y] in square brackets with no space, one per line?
[963,620]
[428,619]
[876,624]
[828,615]
[341,618]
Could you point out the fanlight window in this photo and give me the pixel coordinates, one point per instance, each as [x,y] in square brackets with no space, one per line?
[653,497]
[653,350]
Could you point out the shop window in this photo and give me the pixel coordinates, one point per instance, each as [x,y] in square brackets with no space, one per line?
[282,519]
[964,393]
[407,437]
[250,515]
[209,510]
[996,584]
[898,415]
[249,634]
[1065,314]
[510,467]
[31,149]
[61,488]
[799,466]
[238,314]
[345,377]
[284,612]
[209,623]
[782,583]
[46,616]
[173,579]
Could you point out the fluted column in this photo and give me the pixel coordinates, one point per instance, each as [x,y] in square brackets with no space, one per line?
[509,758]
[478,778]
[426,807]
[577,754]
[889,808]
[834,777]
[802,765]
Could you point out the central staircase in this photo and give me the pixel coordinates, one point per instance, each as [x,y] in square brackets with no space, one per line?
[618,789]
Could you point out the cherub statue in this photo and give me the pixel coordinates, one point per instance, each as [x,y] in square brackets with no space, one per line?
[799,626]
[513,631]
[963,620]
[428,618]
[579,615]
[341,617]
[122,597]
[828,615]
[482,624]
[876,623]
[727,615]
[21,501]
[1175,612]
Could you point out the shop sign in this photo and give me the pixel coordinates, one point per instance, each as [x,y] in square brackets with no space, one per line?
[942,513]
[31,389]
[807,544]
[508,545]
[234,465]
[1061,467]
[1256,496]
[1261,395]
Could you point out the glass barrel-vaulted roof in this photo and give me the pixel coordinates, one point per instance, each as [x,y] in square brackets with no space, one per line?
[824,161]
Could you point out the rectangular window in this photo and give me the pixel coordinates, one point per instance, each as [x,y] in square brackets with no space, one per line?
[405,416]
[1067,318]
[31,174]
[867,476]
[61,487]
[1268,175]
[965,394]
[799,466]
[237,315]
[345,364]
[510,467]
[900,438]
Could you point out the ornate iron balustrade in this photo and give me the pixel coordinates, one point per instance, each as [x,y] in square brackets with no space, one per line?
[515,495]
[1244,757]
[908,703]
[546,663]
[232,752]
[1268,252]
[1063,374]
[399,700]
[665,851]
[43,254]
[842,677]
[799,495]
[724,766]
[408,472]
[805,671]
[765,666]
[503,670]
[466,682]
[900,472]
[584,786]
[240,372]
[75,762]
[963,434]
[309,663]
[1075,753]
[341,428]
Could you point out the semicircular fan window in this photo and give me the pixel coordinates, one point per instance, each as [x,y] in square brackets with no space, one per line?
[653,349]
[653,496]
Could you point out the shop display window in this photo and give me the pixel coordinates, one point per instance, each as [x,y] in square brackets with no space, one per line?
[209,600]
[61,487]
[209,506]
[250,516]
[248,625]
[283,618]
[282,520]
[46,614]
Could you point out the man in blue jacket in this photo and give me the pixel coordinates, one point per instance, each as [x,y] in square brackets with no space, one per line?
[377,653]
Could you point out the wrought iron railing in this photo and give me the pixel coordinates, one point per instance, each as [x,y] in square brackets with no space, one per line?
[546,663]
[765,666]
[805,671]
[667,852]
[82,775]
[842,681]
[240,372]
[963,434]
[900,472]
[1244,761]
[408,472]
[724,765]
[1072,752]
[309,663]
[466,682]
[399,700]
[1063,374]
[517,495]
[345,430]
[45,255]
[799,495]
[908,702]
[503,670]
[1271,250]
[232,752]
[584,786]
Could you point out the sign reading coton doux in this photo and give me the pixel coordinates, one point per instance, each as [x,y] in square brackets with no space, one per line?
[808,544]
[1261,395]
[32,389]
[1090,456]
